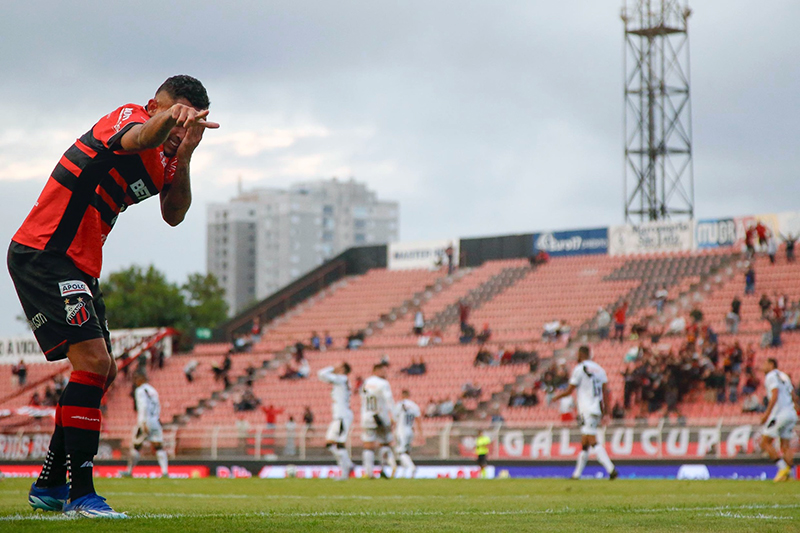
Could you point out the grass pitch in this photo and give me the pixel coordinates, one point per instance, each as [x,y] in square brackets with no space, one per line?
[239,505]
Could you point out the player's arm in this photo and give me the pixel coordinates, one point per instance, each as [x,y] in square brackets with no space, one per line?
[141,408]
[155,131]
[326,375]
[566,392]
[773,398]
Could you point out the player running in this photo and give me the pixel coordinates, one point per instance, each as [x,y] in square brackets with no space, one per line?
[376,420]
[148,425]
[407,415]
[55,259]
[779,419]
[339,428]
[590,380]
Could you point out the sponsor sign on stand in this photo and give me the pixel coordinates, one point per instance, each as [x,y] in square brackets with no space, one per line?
[715,233]
[107,471]
[651,237]
[328,471]
[578,242]
[421,254]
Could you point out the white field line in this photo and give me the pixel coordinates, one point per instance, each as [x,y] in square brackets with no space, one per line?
[725,511]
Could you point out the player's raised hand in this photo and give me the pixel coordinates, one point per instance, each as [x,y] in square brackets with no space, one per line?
[187,116]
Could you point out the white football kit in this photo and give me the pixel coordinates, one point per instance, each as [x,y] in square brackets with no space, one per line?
[148,413]
[342,419]
[783,416]
[405,414]
[588,378]
[376,407]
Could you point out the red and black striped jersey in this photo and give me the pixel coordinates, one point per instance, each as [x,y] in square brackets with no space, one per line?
[94,181]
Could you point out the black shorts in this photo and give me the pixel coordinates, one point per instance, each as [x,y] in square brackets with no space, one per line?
[63,304]
[482,462]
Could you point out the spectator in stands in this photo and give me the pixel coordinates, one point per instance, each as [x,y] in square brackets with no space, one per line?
[416,368]
[21,371]
[540,258]
[247,402]
[564,331]
[299,351]
[308,418]
[297,369]
[450,264]
[35,401]
[617,412]
[355,340]
[485,334]
[749,240]
[432,409]
[751,404]
[255,331]
[446,407]
[328,340]
[775,319]
[772,249]
[550,331]
[316,342]
[189,370]
[620,314]
[50,399]
[765,304]
[733,317]
[463,314]
[763,234]
[271,415]
[467,334]
[468,390]
[660,298]
[750,280]
[241,343]
[603,321]
[629,386]
[291,432]
[436,336]
[790,241]
[419,322]
[59,383]
[250,375]
[221,371]
[483,358]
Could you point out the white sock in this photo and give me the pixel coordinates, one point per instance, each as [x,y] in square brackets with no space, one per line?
[581,464]
[408,464]
[163,462]
[602,457]
[781,464]
[335,451]
[343,459]
[132,460]
[368,459]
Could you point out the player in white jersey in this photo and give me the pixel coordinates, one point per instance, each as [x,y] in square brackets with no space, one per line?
[590,380]
[407,415]
[376,420]
[779,419]
[148,425]
[339,428]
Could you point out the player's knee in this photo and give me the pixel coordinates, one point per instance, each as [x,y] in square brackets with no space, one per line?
[112,373]
[90,356]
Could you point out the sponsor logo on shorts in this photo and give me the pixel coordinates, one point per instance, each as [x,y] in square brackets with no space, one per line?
[68,288]
[77,312]
[38,320]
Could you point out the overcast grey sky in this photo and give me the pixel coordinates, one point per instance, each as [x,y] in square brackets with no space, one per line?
[480,118]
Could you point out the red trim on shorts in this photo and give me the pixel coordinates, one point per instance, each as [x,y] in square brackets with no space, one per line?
[87,378]
[56,347]
[81,417]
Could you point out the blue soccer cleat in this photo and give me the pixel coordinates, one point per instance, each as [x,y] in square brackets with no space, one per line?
[48,499]
[91,506]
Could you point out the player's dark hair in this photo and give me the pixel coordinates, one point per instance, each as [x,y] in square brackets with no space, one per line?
[183,86]
[773,362]
[584,350]
[346,368]
[406,393]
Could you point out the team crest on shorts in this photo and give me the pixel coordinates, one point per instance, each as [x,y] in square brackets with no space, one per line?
[77,311]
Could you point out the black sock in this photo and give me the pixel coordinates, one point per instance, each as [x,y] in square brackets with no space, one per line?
[54,470]
[81,466]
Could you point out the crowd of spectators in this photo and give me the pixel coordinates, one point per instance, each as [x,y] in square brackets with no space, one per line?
[505,356]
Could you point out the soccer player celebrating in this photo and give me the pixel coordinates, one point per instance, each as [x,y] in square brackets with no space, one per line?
[779,419]
[55,259]
[148,425]
[590,380]
[339,428]
[407,415]
[376,420]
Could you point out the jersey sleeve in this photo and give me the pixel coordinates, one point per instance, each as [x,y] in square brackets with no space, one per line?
[575,378]
[770,382]
[110,129]
[602,376]
[329,376]
[415,410]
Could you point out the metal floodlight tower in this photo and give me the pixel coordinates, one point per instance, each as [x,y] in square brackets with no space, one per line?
[659,176]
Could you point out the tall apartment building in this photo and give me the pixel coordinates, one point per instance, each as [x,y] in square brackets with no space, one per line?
[263,239]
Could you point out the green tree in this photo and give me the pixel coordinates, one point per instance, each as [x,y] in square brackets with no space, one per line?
[138,298]
[205,301]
